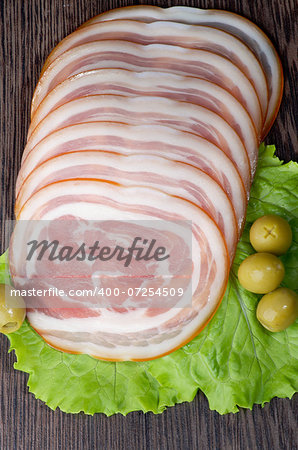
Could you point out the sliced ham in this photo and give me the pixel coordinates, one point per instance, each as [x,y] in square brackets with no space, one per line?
[188,36]
[129,334]
[145,127]
[144,139]
[171,177]
[232,23]
[134,84]
[155,111]
[137,57]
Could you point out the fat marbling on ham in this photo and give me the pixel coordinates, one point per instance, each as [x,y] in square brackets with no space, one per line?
[138,57]
[238,26]
[143,120]
[140,333]
[188,36]
[134,84]
[160,111]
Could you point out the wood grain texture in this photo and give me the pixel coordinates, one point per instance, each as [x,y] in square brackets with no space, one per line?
[29,30]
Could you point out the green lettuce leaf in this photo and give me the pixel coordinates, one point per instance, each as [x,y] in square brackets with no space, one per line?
[234,360]
[4,270]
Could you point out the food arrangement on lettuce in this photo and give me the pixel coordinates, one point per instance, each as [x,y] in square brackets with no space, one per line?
[119,132]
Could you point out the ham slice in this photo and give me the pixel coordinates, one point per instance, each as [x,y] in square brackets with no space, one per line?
[137,57]
[178,115]
[188,36]
[145,131]
[107,335]
[232,23]
[144,139]
[134,84]
[171,177]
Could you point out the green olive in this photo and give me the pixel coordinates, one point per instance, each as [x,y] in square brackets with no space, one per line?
[11,317]
[261,273]
[278,310]
[271,234]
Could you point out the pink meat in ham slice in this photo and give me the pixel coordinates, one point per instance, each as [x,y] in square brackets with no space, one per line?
[171,177]
[144,139]
[137,57]
[232,23]
[157,111]
[188,36]
[133,334]
[132,84]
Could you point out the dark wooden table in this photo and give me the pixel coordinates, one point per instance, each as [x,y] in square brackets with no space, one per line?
[29,30]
